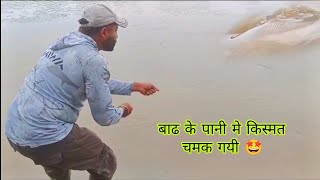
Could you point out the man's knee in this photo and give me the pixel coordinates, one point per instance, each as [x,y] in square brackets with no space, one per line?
[57,173]
[110,160]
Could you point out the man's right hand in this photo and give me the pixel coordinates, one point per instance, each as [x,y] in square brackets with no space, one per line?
[127,109]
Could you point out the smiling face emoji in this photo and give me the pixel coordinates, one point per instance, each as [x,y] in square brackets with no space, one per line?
[253,147]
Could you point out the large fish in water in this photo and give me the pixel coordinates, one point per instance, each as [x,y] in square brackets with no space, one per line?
[286,29]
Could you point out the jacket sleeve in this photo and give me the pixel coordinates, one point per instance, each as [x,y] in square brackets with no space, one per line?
[119,87]
[96,77]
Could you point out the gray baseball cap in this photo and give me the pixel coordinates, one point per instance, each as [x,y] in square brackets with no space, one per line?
[100,15]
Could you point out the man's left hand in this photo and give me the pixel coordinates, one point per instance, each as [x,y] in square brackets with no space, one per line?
[146,89]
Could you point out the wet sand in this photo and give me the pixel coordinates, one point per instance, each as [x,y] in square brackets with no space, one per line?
[179,46]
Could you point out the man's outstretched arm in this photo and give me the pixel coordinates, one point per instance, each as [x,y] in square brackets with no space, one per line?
[96,77]
[119,87]
[126,88]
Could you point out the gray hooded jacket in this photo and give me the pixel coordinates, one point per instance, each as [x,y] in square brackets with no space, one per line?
[48,104]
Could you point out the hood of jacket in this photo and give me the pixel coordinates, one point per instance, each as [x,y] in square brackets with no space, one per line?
[73,39]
